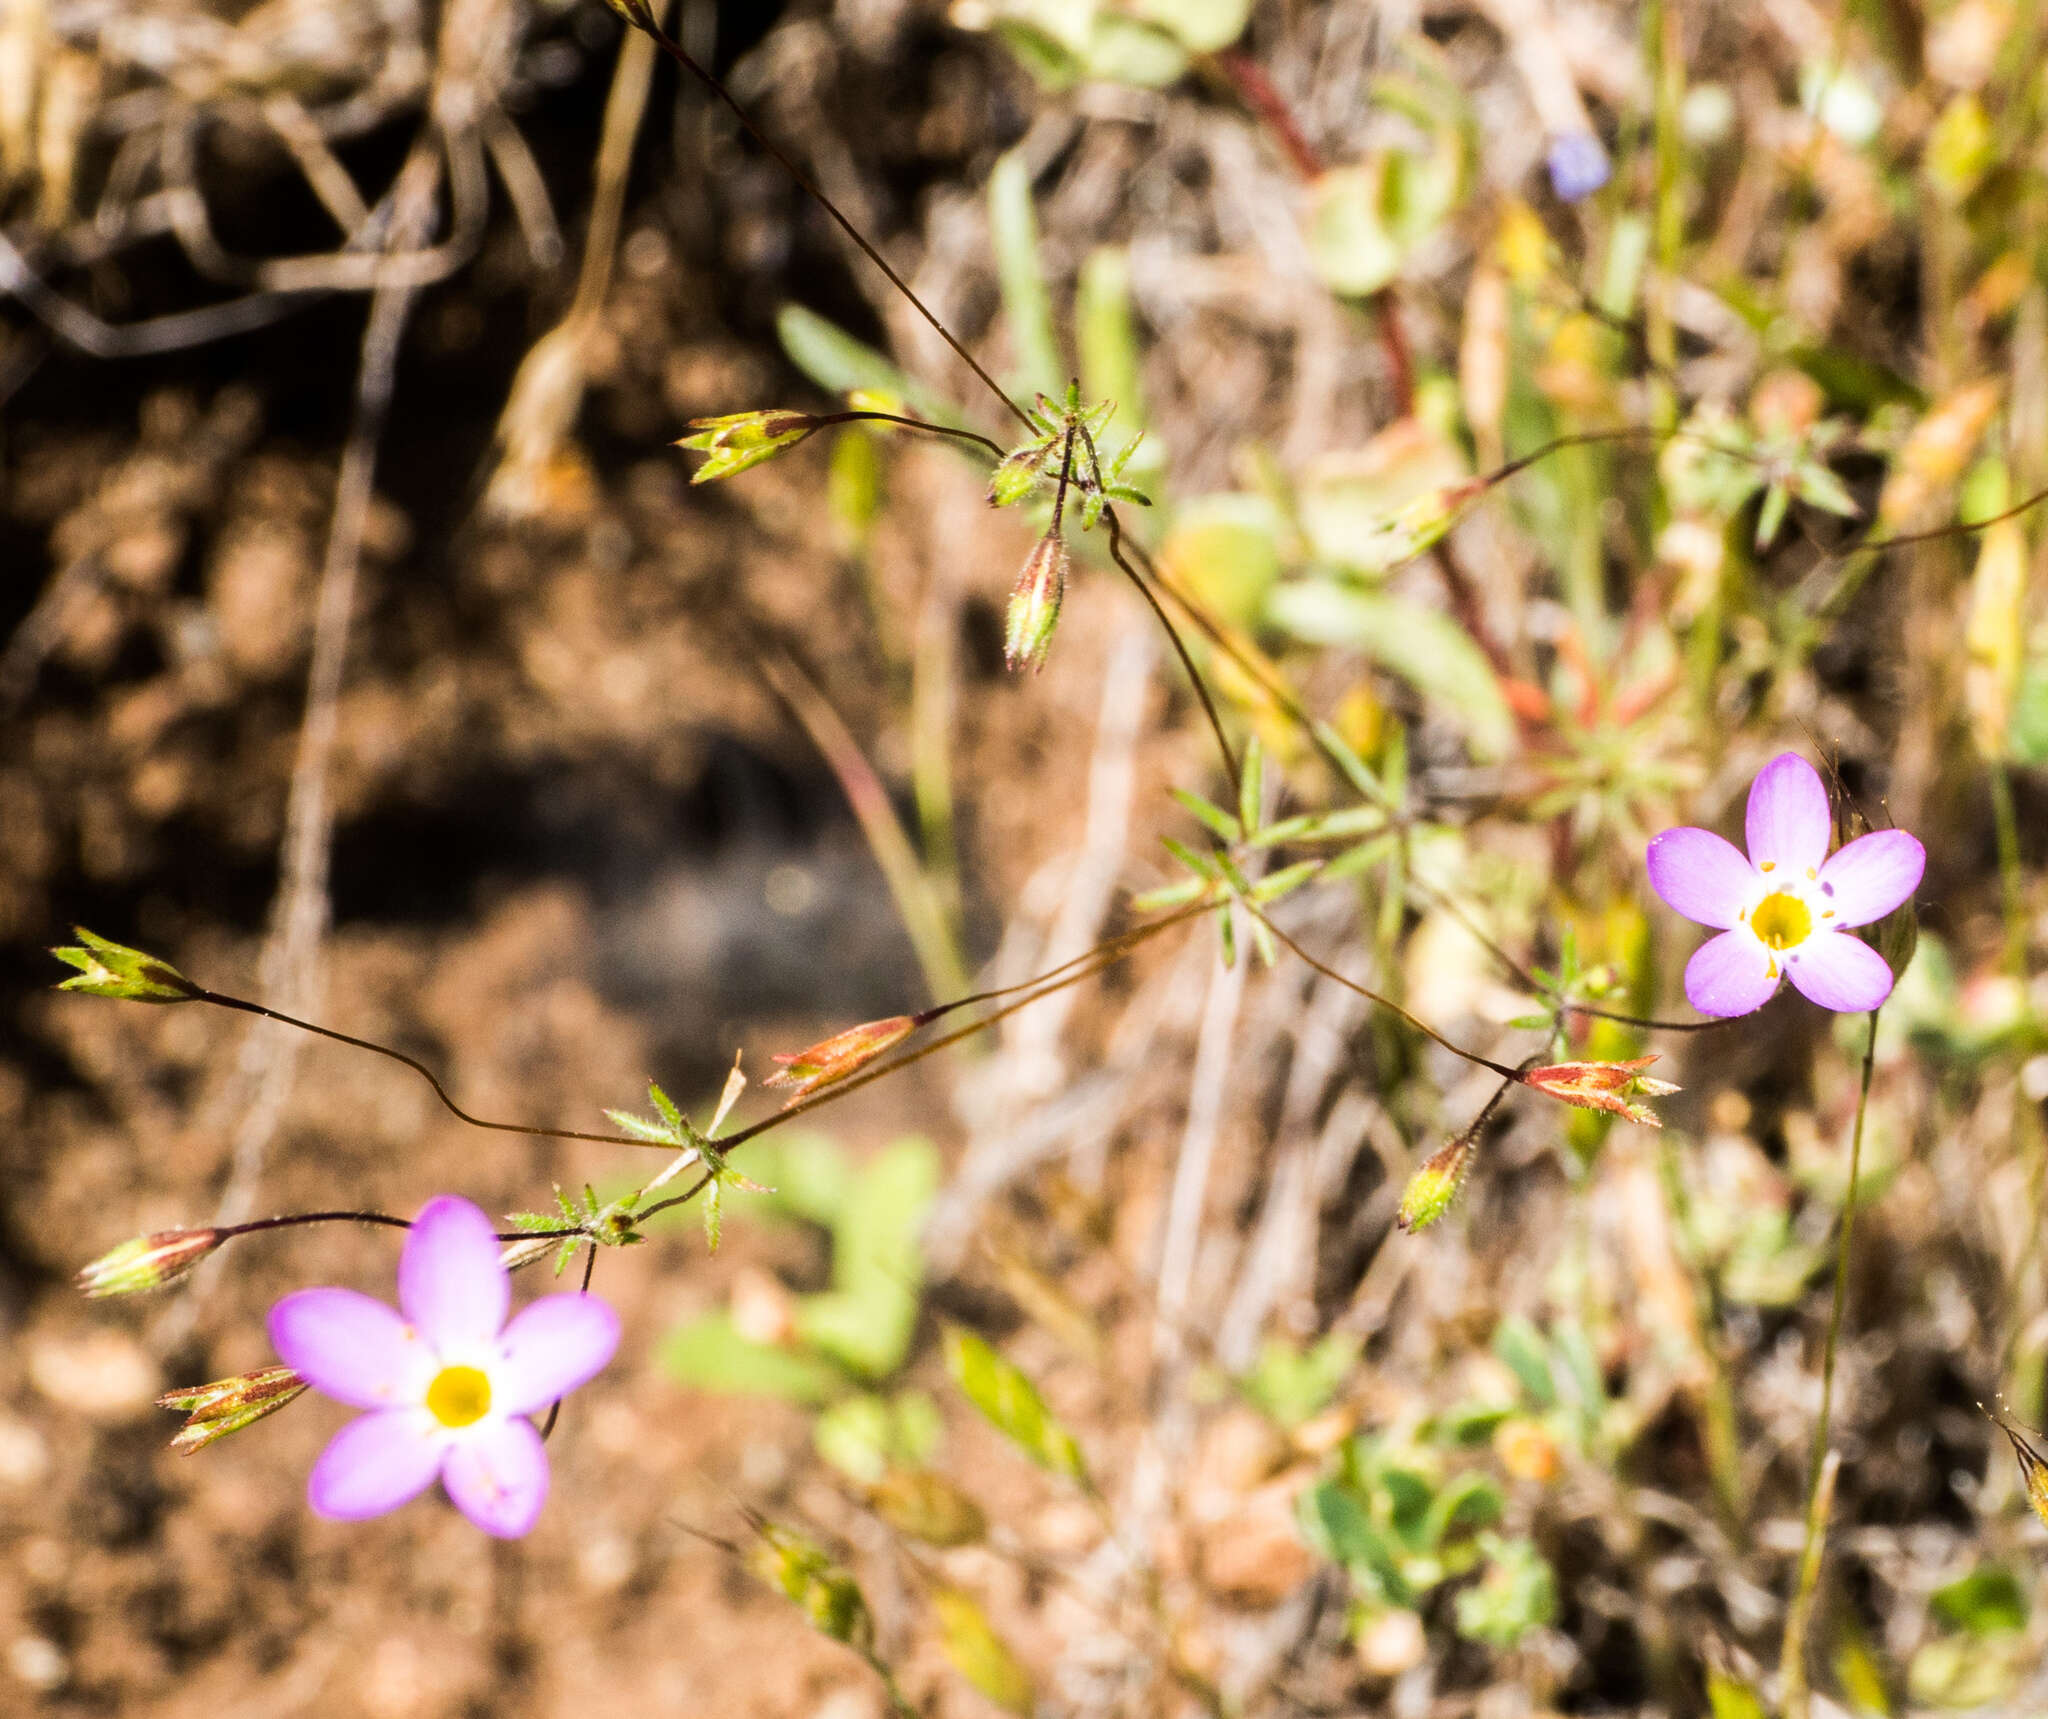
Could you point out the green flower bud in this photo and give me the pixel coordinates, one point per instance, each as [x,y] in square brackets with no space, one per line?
[108,969]
[800,1568]
[147,1262]
[1035,604]
[742,439]
[1433,1187]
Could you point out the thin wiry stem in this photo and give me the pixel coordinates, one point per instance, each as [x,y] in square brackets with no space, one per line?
[1822,1462]
[1079,967]
[1374,997]
[244,1006]
[636,13]
[1180,647]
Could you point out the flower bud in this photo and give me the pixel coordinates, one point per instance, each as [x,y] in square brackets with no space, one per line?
[742,439]
[1898,936]
[828,1596]
[228,1405]
[1432,1188]
[147,1262]
[843,1054]
[2033,1471]
[109,969]
[1608,1086]
[1035,604]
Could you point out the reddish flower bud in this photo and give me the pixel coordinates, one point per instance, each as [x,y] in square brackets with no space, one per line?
[833,1059]
[228,1405]
[1608,1086]
[147,1262]
[1035,604]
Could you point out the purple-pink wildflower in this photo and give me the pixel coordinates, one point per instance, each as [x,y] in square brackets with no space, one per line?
[1785,910]
[447,1383]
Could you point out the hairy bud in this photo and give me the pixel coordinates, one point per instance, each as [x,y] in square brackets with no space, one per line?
[1609,1086]
[109,969]
[1432,1188]
[228,1405]
[833,1059]
[147,1262]
[1035,604]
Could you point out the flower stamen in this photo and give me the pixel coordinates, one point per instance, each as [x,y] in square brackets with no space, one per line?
[459,1396]
[1782,920]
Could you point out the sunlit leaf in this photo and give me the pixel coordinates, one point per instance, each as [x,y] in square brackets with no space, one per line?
[1422,645]
[979,1654]
[1011,1404]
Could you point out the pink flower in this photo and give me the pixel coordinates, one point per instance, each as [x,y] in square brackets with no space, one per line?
[447,1383]
[1784,911]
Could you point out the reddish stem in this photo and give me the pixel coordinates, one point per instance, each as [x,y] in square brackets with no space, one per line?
[1248,78]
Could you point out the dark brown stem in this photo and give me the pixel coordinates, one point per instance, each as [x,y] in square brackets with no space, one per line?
[1082,966]
[1388,1003]
[244,1006]
[825,421]
[637,14]
[1187,661]
[289,1219]
[555,1408]
[1528,980]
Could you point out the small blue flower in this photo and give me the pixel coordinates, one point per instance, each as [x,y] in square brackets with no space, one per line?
[1578,165]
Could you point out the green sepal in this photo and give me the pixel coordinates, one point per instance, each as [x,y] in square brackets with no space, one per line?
[738,440]
[110,969]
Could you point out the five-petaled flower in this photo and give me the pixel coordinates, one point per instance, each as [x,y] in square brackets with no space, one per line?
[447,1383]
[1785,911]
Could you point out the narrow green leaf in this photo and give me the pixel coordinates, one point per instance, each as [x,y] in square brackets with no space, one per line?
[1013,230]
[1011,1404]
[1422,645]
[1285,881]
[1173,895]
[840,364]
[1200,864]
[980,1655]
[1214,818]
[1251,787]
[711,1355]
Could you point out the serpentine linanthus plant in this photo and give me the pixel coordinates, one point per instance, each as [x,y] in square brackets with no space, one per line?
[448,1389]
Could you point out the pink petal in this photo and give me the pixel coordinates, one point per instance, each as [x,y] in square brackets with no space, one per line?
[1871,876]
[450,1281]
[553,1346]
[1700,875]
[1840,972]
[498,1476]
[351,1348]
[1788,826]
[1729,975]
[376,1463]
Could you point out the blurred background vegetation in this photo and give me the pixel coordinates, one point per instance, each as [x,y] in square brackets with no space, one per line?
[366,648]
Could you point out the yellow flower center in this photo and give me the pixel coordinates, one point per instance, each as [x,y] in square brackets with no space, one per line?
[459,1396]
[1782,920]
